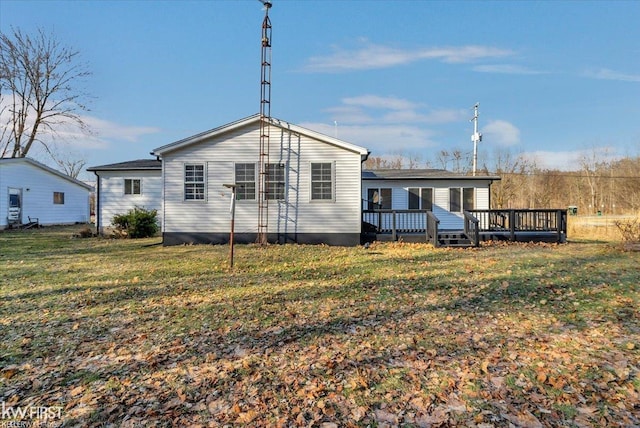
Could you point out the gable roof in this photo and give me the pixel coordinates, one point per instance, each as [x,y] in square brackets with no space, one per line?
[135,165]
[255,119]
[46,168]
[420,174]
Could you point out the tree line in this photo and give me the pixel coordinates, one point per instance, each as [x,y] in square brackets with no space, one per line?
[598,185]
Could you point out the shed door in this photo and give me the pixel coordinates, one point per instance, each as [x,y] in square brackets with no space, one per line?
[14,212]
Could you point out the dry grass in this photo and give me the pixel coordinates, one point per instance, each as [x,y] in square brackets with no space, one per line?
[591,228]
[126,332]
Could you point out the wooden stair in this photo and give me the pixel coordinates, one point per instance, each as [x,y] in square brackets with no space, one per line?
[454,239]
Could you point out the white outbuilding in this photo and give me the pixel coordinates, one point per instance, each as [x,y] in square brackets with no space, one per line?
[31,192]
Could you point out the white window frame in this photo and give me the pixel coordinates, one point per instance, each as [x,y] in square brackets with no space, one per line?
[461,200]
[380,205]
[240,185]
[131,180]
[280,185]
[421,197]
[194,182]
[333,182]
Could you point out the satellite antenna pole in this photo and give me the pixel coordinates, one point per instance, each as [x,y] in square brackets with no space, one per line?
[265,118]
[476,137]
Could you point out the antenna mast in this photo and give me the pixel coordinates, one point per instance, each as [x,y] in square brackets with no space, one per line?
[476,137]
[265,116]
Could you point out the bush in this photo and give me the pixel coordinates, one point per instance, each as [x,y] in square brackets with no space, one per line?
[629,229]
[137,223]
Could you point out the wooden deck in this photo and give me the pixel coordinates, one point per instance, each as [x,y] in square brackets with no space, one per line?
[543,225]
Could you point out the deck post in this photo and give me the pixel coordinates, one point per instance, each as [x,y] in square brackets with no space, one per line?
[426,225]
[559,225]
[394,236]
[512,225]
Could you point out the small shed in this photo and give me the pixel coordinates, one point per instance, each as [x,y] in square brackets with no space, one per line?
[33,192]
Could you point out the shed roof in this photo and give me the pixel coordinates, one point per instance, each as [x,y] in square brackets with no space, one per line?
[136,165]
[255,119]
[46,168]
[420,174]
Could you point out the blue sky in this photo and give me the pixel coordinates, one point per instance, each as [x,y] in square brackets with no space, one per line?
[555,80]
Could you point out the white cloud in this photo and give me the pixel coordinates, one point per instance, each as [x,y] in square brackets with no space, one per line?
[569,160]
[375,101]
[378,138]
[357,109]
[608,74]
[371,56]
[501,132]
[111,130]
[505,69]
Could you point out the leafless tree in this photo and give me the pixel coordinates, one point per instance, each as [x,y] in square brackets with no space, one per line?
[40,84]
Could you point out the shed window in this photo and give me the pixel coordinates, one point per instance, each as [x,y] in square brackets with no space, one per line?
[245,181]
[275,181]
[132,186]
[379,199]
[421,198]
[322,181]
[194,182]
[58,198]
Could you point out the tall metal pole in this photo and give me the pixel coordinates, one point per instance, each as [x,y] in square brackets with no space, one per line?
[476,137]
[265,116]
[232,210]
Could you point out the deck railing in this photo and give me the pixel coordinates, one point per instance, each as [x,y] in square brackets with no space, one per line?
[472,228]
[396,221]
[432,229]
[522,220]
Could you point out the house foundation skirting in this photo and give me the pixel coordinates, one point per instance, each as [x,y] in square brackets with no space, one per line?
[336,239]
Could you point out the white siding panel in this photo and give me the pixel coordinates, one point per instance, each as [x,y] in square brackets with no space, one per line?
[296,214]
[113,200]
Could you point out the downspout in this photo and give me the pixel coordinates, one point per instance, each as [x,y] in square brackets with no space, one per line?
[98,231]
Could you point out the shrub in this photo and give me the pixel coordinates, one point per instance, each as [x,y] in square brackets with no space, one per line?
[137,223]
[629,229]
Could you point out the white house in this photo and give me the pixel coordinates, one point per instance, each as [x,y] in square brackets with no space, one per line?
[442,192]
[30,190]
[313,189]
[124,186]
[316,189]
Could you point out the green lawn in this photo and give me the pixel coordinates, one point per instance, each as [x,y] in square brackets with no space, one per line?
[129,331]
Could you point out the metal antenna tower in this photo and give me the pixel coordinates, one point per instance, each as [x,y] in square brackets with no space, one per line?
[476,137]
[265,116]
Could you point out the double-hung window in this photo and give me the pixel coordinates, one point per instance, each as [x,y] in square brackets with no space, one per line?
[461,199]
[245,181]
[379,199]
[421,198]
[194,185]
[275,181]
[132,186]
[322,181]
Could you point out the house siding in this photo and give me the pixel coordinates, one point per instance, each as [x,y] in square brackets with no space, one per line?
[448,220]
[38,186]
[295,219]
[112,199]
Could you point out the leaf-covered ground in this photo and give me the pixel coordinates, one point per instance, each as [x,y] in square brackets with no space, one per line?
[130,333]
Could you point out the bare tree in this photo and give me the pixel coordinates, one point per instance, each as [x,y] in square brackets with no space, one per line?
[39,80]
